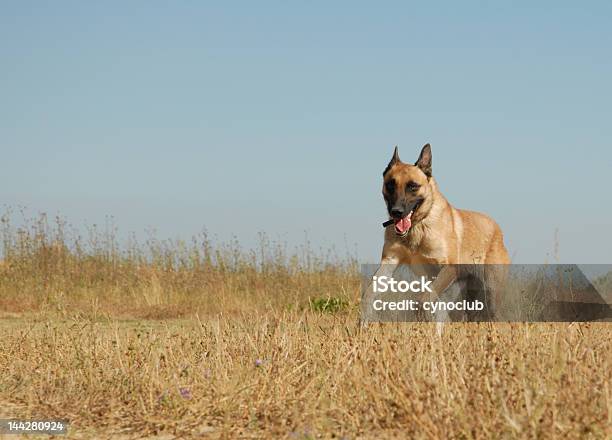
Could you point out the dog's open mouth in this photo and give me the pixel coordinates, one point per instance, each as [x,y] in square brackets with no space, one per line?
[403,224]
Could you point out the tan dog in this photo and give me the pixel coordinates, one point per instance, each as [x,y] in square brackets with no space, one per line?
[427,232]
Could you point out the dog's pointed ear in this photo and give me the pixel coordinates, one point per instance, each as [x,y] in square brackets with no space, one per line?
[424,160]
[395,159]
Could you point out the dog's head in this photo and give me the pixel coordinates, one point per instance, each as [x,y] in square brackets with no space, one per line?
[407,189]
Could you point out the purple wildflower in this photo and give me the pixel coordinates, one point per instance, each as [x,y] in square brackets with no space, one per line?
[185,393]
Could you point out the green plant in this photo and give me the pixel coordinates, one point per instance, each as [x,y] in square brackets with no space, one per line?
[328,304]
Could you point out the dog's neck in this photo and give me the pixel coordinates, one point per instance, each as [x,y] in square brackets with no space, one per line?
[432,209]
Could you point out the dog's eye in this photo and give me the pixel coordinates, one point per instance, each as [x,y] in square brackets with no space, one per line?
[412,186]
[390,186]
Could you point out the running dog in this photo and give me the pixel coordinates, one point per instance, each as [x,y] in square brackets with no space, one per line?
[425,231]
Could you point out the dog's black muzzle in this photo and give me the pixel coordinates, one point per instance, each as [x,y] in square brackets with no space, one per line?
[401,210]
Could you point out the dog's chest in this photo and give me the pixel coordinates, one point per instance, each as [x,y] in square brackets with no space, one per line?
[427,249]
[421,259]
[429,256]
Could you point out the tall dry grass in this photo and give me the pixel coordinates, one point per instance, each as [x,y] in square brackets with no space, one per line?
[50,266]
[254,349]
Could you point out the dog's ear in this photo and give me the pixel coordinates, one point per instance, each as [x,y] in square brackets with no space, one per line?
[424,160]
[395,159]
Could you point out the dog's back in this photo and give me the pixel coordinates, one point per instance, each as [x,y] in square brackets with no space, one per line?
[480,237]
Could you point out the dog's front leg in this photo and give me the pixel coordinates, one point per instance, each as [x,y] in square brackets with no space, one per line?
[387,267]
[445,278]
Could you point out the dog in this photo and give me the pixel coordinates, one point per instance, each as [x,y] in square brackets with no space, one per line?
[460,248]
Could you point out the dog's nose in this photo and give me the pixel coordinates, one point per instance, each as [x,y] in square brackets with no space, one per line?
[397,212]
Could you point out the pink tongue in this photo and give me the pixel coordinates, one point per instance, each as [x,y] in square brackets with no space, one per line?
[403,224]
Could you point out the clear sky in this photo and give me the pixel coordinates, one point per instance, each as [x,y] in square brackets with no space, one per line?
[280,117]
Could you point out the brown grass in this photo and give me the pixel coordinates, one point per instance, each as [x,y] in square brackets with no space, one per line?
[195,340]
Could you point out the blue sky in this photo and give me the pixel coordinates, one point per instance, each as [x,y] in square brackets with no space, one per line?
[279,117]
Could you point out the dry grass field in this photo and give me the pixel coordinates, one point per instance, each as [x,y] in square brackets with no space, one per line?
[195,340]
